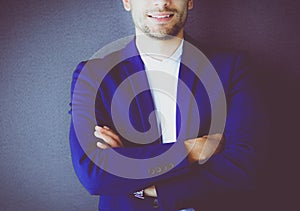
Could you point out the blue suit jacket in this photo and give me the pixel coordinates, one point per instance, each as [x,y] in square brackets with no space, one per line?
[178,183]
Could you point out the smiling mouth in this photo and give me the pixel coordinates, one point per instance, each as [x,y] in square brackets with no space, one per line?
[162,16]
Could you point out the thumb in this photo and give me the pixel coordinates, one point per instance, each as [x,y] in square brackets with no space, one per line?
[209,148]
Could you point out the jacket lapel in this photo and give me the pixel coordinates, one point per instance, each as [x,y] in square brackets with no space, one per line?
[193,106]
[193,112]
[142,106]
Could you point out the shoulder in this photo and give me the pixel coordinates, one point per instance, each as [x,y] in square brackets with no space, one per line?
[96,68]
[105,62]
[232,65]
[217,54]
[223,59]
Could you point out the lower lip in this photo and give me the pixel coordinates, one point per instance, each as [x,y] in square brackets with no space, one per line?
[161,20]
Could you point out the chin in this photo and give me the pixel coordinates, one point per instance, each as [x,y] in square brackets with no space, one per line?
[160,36]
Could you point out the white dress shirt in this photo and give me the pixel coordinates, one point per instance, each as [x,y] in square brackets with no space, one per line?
[163,80]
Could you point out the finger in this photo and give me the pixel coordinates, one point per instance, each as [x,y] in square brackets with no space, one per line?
[208,150]
[98,135]
[196,141]
[194,147]
[190,141]
[98,128]
[218,137]
[111,134]
[189,144]
[101,145]
[107,131]
[107,139]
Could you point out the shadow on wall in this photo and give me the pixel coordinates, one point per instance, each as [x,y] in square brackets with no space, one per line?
[268,32]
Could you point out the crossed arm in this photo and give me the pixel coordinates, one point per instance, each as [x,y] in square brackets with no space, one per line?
[232,170]
[199,149]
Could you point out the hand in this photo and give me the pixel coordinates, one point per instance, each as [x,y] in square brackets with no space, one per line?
[151,191]
[108,136]
[201,149]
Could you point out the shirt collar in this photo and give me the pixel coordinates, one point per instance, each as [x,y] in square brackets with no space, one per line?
[175,57]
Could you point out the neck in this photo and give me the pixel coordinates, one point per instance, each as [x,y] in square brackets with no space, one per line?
[159,49]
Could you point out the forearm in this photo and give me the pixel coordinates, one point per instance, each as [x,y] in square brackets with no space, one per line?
[231,171]
[94,167]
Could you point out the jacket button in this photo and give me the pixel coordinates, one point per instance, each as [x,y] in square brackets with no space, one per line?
[158,170]
[151,171]
[171,165]
[165,168]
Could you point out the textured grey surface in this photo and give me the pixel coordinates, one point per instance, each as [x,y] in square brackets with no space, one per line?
[43,41]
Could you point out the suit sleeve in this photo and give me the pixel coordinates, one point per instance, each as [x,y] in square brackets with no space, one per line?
[235,169]
[92,164]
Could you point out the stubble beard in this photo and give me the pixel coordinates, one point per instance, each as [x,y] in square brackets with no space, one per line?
[166,33]
[163,34]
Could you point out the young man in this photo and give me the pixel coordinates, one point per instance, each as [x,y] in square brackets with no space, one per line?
[205,111]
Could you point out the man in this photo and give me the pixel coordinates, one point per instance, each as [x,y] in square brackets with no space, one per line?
[139,161]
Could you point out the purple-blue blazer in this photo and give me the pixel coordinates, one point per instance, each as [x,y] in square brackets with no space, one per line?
[179,184]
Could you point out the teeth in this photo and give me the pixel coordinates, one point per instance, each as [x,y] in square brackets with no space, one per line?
[160,16]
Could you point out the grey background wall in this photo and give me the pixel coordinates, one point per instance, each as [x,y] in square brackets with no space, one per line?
[43,41]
